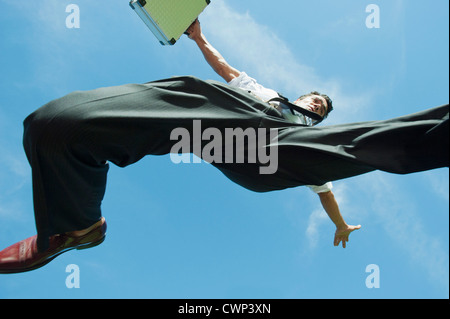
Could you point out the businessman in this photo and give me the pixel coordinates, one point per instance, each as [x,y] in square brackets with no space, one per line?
[71,141]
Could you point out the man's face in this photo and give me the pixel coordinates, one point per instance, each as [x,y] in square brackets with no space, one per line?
[314,103]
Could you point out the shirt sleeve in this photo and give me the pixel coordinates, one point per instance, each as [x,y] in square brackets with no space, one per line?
[322,188]
[245,82]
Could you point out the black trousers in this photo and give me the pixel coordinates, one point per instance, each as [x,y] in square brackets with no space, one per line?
[70,141]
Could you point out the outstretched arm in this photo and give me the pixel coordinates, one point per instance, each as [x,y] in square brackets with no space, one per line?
[212,56]
[331,207]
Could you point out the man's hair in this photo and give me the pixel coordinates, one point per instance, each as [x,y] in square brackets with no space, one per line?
[326,97]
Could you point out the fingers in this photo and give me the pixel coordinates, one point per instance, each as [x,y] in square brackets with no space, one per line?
[342,238]
[336,241]
[344,241]
[192,30]
[195,24]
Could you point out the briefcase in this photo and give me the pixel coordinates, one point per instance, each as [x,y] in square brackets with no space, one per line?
[168,19]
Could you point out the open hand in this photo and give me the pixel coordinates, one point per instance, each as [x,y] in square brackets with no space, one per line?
[341,234]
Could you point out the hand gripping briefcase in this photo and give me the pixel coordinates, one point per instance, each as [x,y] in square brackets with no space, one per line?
[168,19]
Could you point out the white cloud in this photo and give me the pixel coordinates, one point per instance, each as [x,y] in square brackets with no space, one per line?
[14,175]
[439,183]
[317,218]
[380,200]
[52,49]
[401,222]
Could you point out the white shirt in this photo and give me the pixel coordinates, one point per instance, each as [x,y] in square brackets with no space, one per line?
[243,81]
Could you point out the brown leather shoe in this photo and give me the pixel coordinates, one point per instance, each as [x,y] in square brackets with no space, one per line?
[24,256]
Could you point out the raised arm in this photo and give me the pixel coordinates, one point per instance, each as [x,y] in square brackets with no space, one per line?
[212,56]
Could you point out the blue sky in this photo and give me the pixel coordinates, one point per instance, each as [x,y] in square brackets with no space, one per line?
[185,231]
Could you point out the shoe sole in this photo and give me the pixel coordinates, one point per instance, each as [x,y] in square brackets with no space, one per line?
[45,262]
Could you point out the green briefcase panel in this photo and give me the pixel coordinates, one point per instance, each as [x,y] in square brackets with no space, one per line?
[168,19]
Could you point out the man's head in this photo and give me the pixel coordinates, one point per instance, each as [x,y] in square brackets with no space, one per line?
[316,102]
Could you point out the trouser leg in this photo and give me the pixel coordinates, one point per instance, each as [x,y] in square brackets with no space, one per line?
[69,141]
[316,155]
